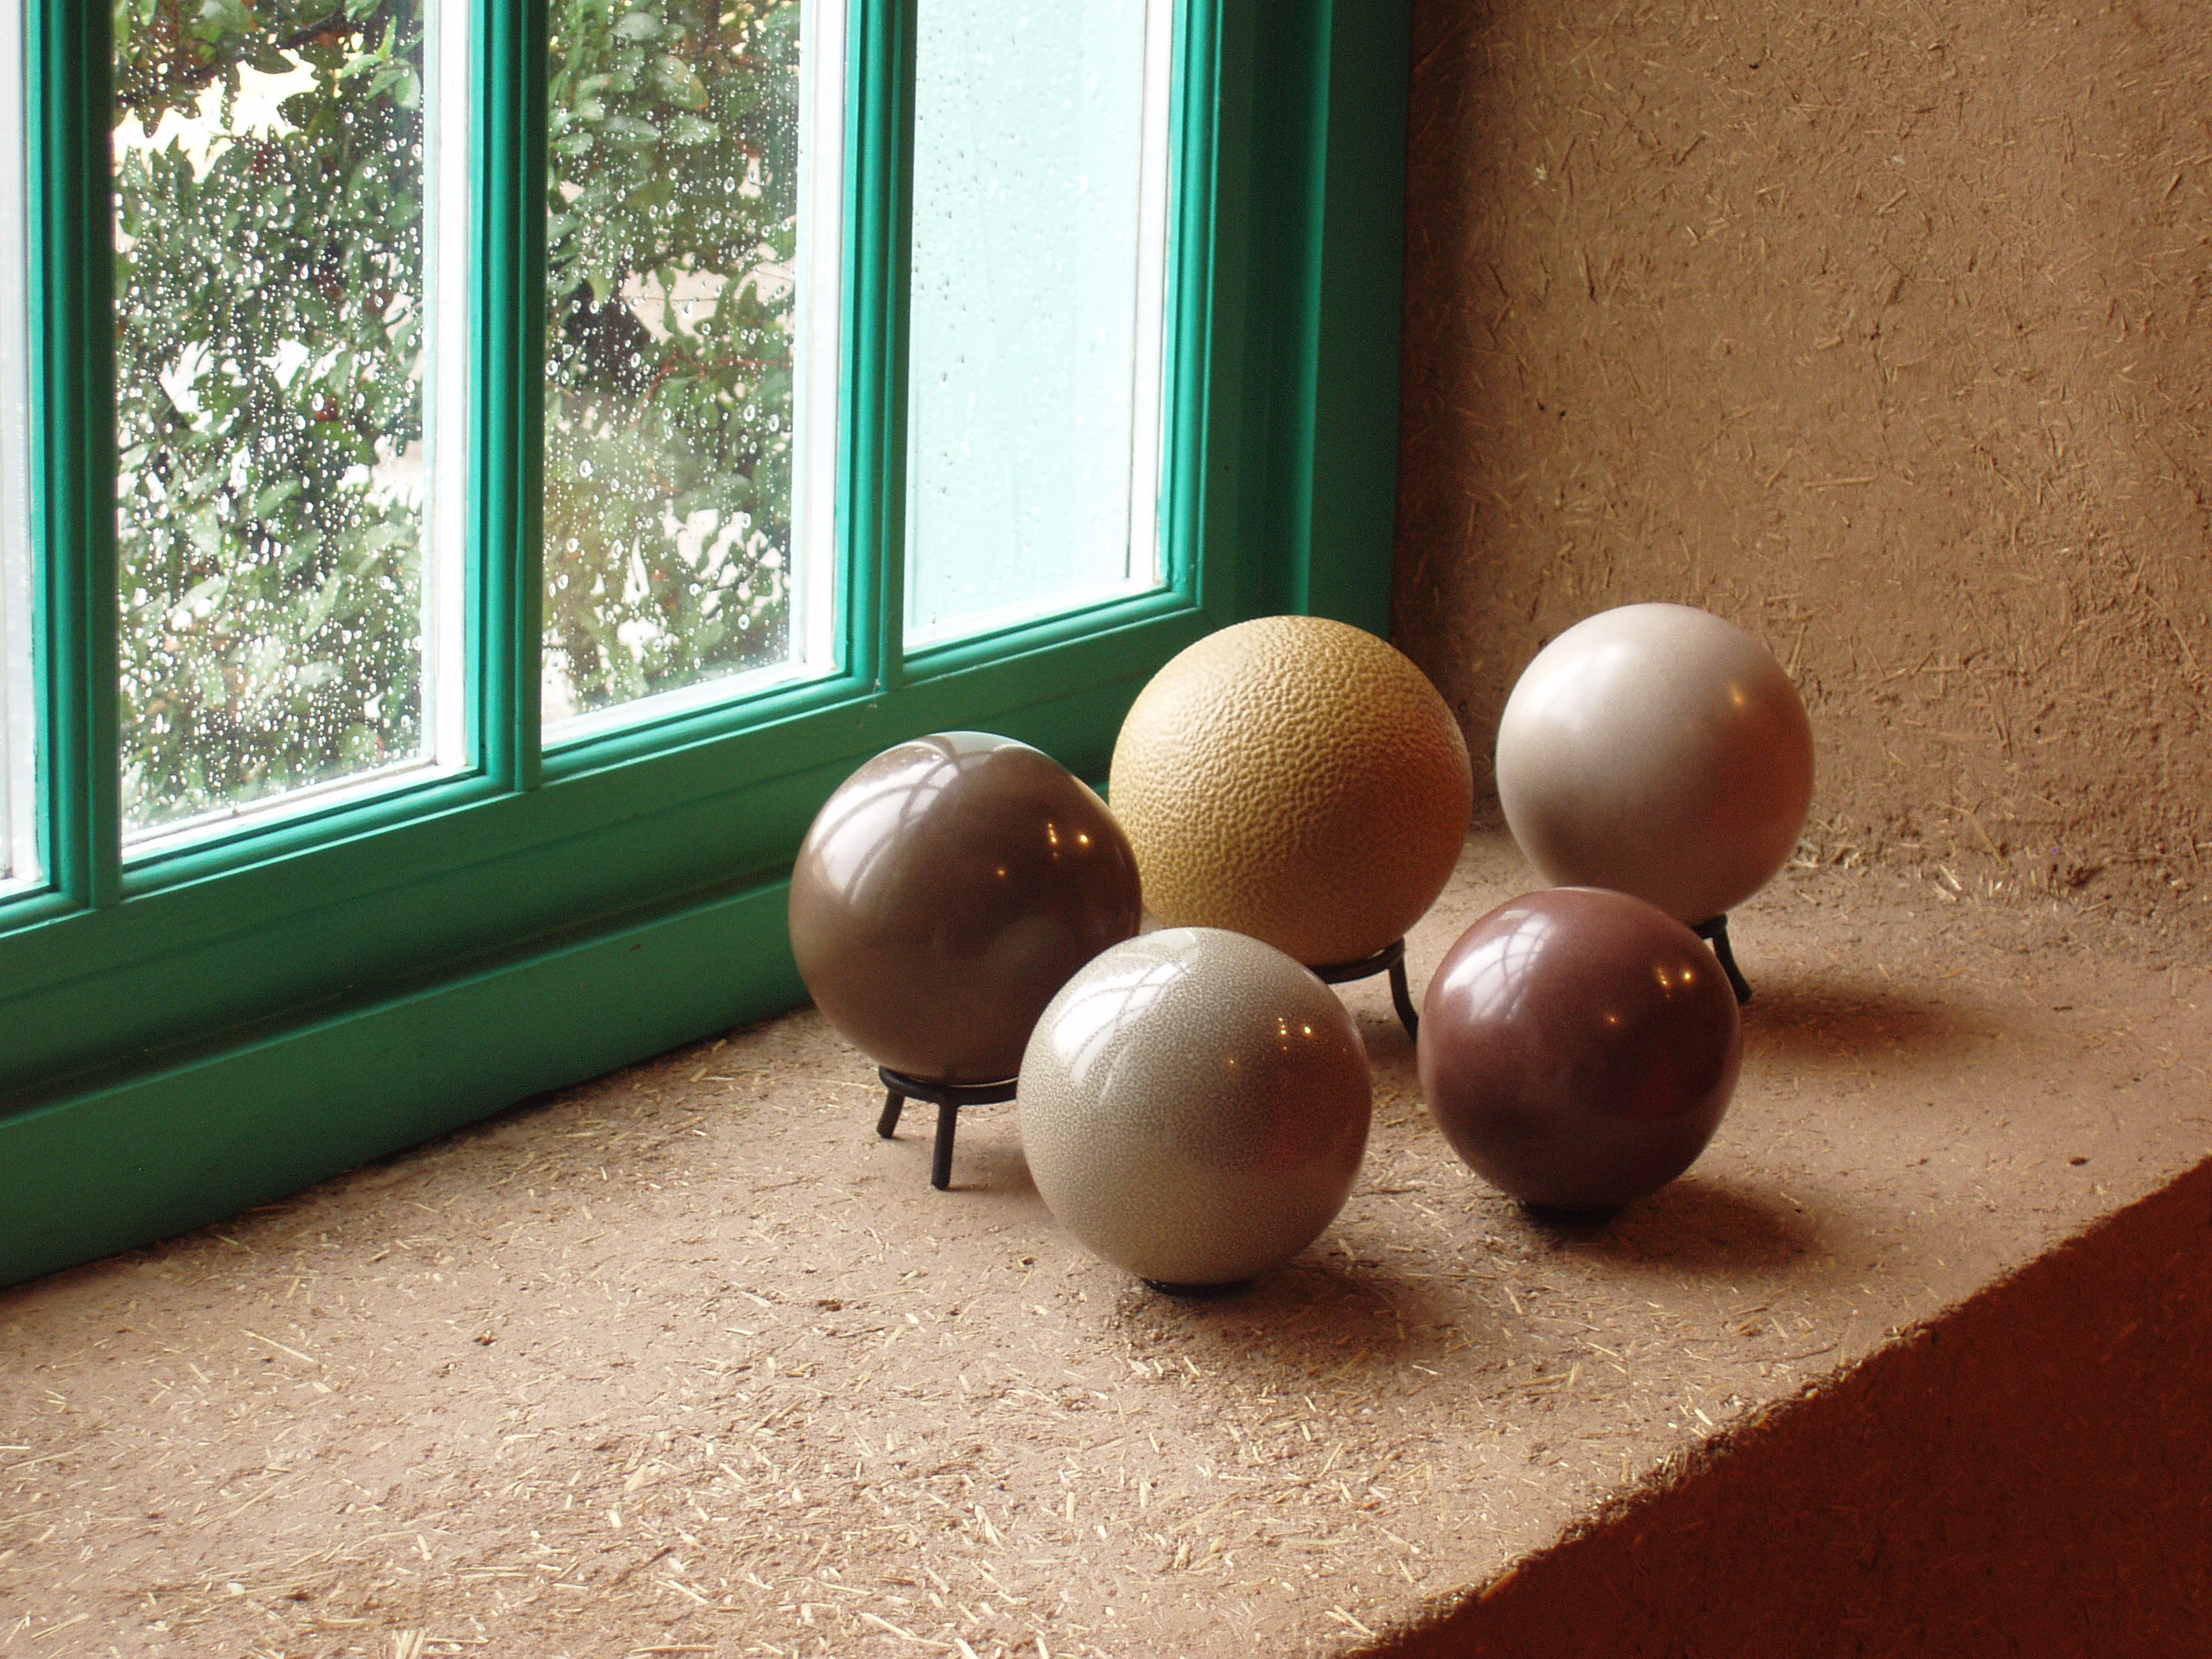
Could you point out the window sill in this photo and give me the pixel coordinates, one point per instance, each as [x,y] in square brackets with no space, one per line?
[1472,1386]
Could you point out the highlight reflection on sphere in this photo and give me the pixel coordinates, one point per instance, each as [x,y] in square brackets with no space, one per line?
[946,891]
[1195,1106]
[1659,750]
[1579,1047]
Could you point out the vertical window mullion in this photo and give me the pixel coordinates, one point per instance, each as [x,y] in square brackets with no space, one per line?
[68,94]
[819,416]
[508,386]
[449,265]
[1187,303]
[879,253]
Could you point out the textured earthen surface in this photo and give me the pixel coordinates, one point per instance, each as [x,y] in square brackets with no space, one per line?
[1878,327]
[1296,779]
[687,1360]
[2033,1476]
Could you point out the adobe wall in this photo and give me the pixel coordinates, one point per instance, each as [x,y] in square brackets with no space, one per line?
[1880,327]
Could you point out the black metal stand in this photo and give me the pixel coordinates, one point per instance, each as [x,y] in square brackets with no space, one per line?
[1715,933]
[1391,959]
[948,1098]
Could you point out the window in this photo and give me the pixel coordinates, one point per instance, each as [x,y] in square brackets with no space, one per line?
[691,336]
[290,260]
[487,472]
[1038,290]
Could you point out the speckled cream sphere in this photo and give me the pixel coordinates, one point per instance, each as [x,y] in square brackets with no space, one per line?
[1194,1106]
[1657,750]
[1297,779]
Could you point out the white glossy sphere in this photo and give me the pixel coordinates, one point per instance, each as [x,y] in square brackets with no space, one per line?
[1657,750]
[1194,1106]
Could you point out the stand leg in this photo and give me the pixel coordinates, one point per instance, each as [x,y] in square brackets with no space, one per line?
[1715,933]
[1402,996]
[1391,959]
[948,1123]
[948,1098]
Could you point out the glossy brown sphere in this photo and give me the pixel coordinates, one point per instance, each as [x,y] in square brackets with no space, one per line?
[1578,1048]
[946,891]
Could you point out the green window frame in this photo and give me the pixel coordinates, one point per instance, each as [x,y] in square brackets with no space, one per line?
[195,1032]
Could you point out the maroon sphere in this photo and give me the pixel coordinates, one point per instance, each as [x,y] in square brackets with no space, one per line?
[1578,1048]
[944,895]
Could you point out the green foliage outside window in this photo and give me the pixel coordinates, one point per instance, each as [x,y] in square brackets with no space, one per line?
[674,181]
[270,288]
[270,301]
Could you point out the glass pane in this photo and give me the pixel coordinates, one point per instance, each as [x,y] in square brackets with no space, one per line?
[1039,215]
[270,366]
[684,261]
[18,701]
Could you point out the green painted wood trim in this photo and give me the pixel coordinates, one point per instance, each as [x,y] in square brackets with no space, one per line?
[878,255]
[1355,282]
[70,100]
[161,1153]
[1200,353]
[394,918]
[1309,250]
[507,384]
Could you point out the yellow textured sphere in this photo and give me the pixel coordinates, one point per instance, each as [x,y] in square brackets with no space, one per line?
[1296,779]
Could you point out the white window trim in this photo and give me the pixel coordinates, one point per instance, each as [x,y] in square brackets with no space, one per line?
[19,860]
